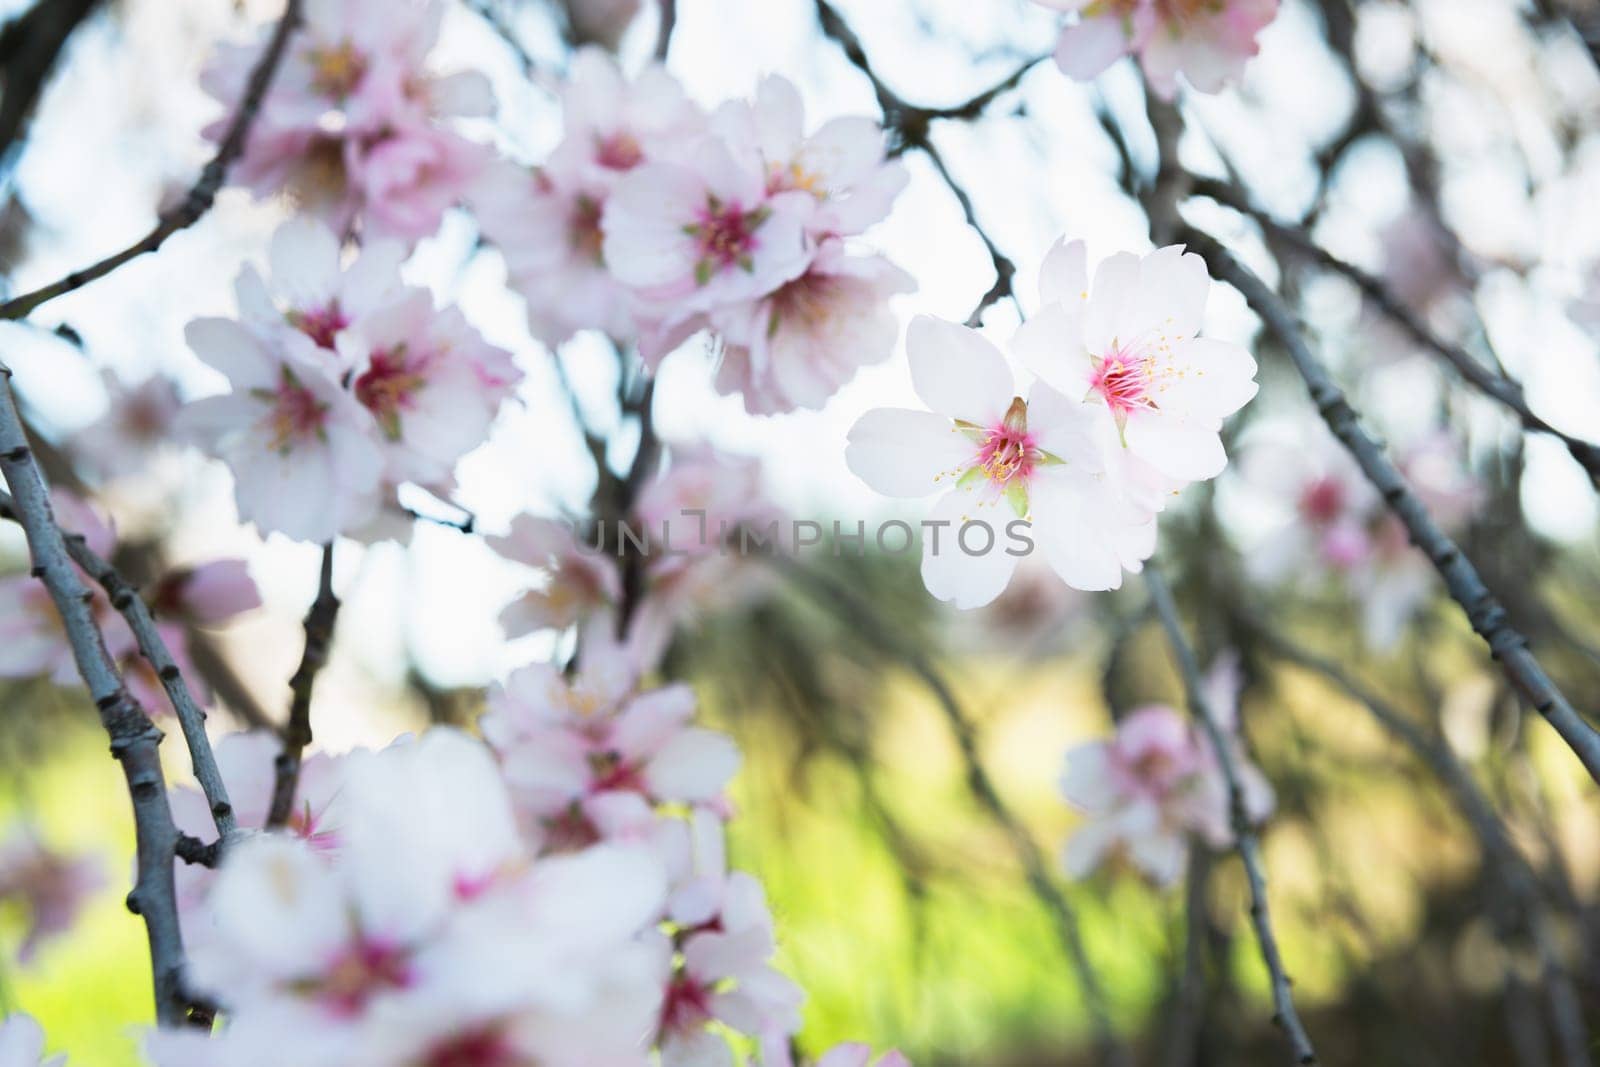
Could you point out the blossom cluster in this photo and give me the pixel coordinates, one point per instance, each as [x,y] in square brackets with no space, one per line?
[353,130]
[344,383]
[1127,408]
[556,893]
[653,220]
[1206,41]
[674,533]
[47,886]
[1323,520]
[34,645]
[1157,783]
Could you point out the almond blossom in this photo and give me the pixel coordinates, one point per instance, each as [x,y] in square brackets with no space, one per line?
[547,221]
[304,453]
[1128,346]
[133,429]
[352,127]
[722,972]
[1007,467]
[1155,783]
[799,344]
[842,164]
[1206,41]
[245,761]
[579,584]
[431,383]
[310,288]
[428,932]
[565,744]
[1320,521]
[50,888]
[206,594]
[704,229]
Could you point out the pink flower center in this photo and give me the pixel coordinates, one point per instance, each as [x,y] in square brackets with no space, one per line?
[583,229]
[620,151]
[362,971]
[1008,451]
[1322,501]
[570,831]
[387,387]
[612,773]
[322,325]
[479,1048]
[725,235]
[336,71]
[1185,10]
[686,1006]
[297,415]
[1123,379]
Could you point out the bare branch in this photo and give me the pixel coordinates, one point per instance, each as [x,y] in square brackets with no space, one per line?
[135,740]
[910,124]
[1488,618]
[1244,834]
[319,623]
[191,717]
[201,195]
[669,22]
[1503,388]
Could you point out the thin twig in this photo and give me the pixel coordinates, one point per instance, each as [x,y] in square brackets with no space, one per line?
[201,195]
[669,22]
[1503,388]
[1488,618]
[1244,834]
[319,623]
[135,740]
[844,601]
[910,126]
[191,717]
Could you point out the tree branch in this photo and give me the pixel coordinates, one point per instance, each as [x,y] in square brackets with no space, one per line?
[191,717]
[1488,618]
[1244,835]
[1500,387]
[201,195]
[134,738]
[910,125]
[319,624]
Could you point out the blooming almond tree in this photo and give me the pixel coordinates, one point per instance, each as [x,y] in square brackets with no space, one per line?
[562,865]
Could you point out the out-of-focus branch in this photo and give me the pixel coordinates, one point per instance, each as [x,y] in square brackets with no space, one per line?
[1503,388]
[844,601]
[495,19]
[201,195]
[1244,835]
[910,126]
[214,669]
[135,740]
[1503,862]
[319,624]
[191,717]
[1484,611]
[30,45]
[669,22]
